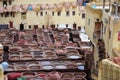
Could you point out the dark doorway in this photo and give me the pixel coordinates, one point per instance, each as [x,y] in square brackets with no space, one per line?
[35,26]
[21,26]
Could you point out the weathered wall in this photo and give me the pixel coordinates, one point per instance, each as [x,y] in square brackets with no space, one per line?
[33,19]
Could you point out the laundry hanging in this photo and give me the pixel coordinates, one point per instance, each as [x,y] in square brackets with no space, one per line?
[74,5]
[24,7]
[44,6]
[37,8]
[80,2]
[81,8]
[34,6]
[16,8]
[30,7]
[51,6]
[67,5]
[59,7]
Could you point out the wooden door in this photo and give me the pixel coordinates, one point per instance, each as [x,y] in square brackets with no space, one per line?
[11,24]
[35,26]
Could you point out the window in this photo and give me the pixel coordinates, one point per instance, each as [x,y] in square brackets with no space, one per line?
[53,13]
[73,13]
[41,13]
[109,34]
[46,13]
[118,9]
[4,3]
[67,13]
[43,26]
[1,14]
[7,14]
[29,26]
[66,25]
[83,15]
[10,2]
[59,13]
[57,25]
[11,14]
[23,15]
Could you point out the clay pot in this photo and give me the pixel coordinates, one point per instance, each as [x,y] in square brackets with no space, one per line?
[24,46]
[48,67]
[57,62]
[14,49]
[78,75]
[25,49]
[33,46]
[62,46]
[32,63]
[74,56]
[62,56]
[37,53]
[21,67]
[83,74]
[51,45]
[14,58]
[79,62]
[35,49]
[26,58]
[10,68]
[14,54]
[67,75]
[45,63]
[26,53]
[71,66]
[68,62]
[42,75]
[38,57]
[49,53]
[19,64]
[29,74]
[50,57]
[34,67]
[60,52]
[72,52]
[54,76]
[60,66]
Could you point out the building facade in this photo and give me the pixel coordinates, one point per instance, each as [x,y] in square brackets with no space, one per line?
[41,13]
